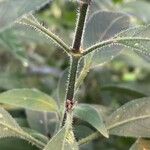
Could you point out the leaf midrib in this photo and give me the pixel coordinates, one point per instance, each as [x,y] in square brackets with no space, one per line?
[110,26]
[127,121]
[23,134]
[112,41]
[27,99]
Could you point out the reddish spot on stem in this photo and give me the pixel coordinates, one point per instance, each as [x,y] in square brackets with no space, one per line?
[70,105]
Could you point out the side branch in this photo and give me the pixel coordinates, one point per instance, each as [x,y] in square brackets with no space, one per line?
[89,138]
[113,41]
[48,33]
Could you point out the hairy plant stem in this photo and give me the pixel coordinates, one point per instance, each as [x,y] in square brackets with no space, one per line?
[80,27]
[74,60]
[113,41]
[72,78]
[83,74]
[89,138]
[59,42]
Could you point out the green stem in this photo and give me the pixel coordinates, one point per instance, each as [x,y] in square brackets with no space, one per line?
[83,74]
[74,59]
[48,33]
[34,141]
[96,46]
[89,138]
[72,77]
[80,27]
[113,41]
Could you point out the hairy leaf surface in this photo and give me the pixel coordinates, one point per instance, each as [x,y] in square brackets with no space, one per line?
[9,128]
[132,119]
[11,10]
[102,26]
[137,39]
[62,86]
[90,115]
[29,98]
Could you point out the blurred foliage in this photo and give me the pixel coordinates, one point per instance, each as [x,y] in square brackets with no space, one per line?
[27,61]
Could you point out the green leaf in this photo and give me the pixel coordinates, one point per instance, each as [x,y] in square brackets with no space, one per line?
[10,42]
[37,135]
[22,122]
[103,111]
[102,26]
[141,144]
[89,114]
[134,89]
[137,39]
[29,99]
[58,140]
[82,130]
[9,128]
[43,122]
[82,74]
[129,58]
[61,141]
[30,21]
[62,86]
[102,5]
[96,31]
[133,7]
[11,10]
[132,119]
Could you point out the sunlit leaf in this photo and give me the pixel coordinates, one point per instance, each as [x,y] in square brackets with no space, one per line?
[141,144]
[132,119]
[89,114]
[29,98]
[11,10]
